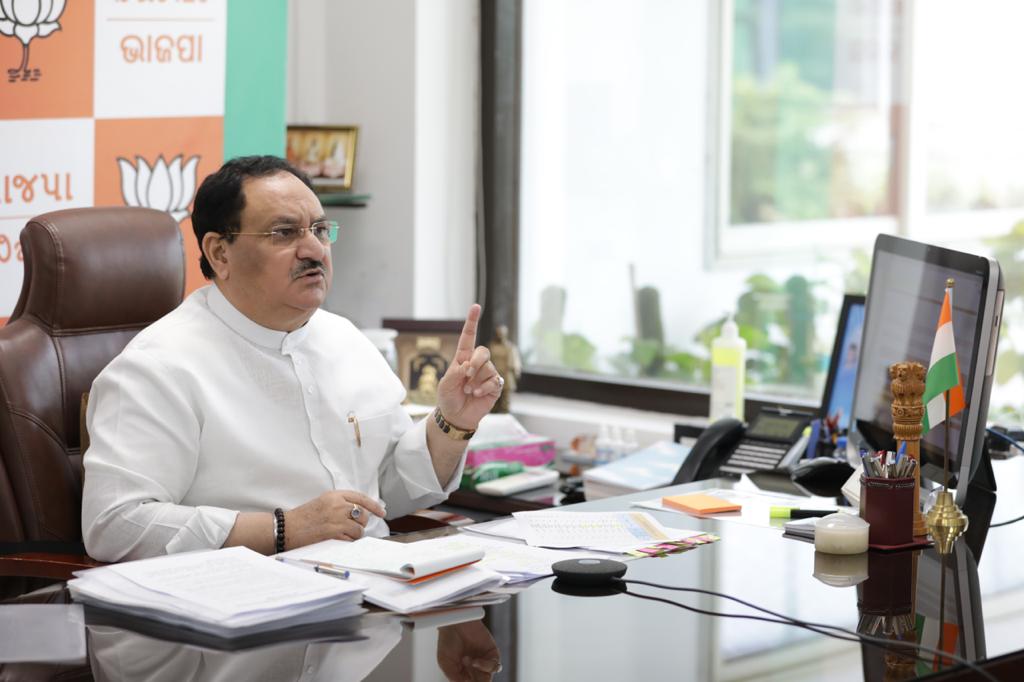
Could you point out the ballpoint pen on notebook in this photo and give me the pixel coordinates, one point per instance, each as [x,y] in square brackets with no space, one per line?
[324,567]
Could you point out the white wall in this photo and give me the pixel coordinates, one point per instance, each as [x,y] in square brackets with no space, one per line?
[447,131]
[406,74]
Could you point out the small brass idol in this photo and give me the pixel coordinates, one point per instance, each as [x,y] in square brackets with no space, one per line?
[505,357]
[907,387]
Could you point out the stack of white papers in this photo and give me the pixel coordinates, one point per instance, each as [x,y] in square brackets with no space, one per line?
[402,595]
[225,592]
[504,527]
[615,532]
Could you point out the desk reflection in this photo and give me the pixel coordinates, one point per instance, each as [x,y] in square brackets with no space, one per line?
[466,651]
[920,598]
[117,654]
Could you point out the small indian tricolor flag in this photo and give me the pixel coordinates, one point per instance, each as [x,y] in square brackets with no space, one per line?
[943,371]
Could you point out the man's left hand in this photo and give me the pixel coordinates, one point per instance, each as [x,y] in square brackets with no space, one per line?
[471,385]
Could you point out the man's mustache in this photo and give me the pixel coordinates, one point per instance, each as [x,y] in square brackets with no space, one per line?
[306,265]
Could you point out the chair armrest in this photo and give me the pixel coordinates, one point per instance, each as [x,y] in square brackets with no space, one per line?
[45,564]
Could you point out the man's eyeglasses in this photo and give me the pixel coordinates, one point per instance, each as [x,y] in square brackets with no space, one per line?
[326,232]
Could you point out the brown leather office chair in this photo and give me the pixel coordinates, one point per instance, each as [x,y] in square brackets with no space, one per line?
[94,277]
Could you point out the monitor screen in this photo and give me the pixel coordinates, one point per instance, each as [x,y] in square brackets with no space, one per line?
[908,281]
[837,401]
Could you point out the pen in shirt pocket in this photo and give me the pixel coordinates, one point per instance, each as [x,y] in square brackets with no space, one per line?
[354,421]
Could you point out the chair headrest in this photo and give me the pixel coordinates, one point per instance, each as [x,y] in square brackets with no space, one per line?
[90,269]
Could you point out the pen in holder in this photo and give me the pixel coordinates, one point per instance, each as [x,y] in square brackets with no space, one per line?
[888,505]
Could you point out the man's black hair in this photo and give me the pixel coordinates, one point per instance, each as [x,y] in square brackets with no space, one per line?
[220,199]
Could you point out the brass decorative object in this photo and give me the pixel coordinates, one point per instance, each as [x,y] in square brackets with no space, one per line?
[945,522]
[907,385]
[505,357]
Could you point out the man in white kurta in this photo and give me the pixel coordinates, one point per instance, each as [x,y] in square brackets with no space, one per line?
[249,398]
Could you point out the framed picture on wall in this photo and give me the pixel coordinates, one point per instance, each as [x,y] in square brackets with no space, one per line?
[424,349]
[327,154]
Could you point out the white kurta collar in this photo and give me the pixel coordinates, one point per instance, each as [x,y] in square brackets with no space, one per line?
[284,342]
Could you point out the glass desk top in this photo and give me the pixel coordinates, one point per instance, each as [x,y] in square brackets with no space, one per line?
[975,605]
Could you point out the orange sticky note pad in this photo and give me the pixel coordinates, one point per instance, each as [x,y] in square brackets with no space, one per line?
[699,503]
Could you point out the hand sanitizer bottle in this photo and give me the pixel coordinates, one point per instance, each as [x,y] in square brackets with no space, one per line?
[618,444]
[728,369]
[603,446]
[629,435]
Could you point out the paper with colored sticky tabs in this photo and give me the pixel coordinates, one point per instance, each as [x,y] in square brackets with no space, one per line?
[616,532]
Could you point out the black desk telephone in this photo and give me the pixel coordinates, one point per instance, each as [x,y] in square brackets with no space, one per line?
[774,442]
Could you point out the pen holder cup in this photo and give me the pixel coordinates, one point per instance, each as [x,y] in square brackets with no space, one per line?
[888,505]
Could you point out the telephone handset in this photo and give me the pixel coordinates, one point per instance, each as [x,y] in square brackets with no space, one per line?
[774,441]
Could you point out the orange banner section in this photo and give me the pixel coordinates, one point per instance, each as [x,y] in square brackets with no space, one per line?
[159,163]
[51,74]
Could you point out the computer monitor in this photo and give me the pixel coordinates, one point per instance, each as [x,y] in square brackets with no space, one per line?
[837,400]
[905,294]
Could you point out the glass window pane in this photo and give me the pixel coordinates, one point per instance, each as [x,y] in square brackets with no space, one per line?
[970,103]
[812,112]
[613,279]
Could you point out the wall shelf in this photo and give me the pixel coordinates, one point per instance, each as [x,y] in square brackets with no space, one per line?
[344,199]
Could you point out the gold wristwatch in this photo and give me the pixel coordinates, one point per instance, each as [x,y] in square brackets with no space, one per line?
[453,432]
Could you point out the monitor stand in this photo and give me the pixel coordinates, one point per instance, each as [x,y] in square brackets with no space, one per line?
[979,503]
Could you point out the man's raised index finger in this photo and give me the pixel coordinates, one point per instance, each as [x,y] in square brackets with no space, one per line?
[467,340]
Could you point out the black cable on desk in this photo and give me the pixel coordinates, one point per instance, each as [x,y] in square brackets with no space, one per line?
[1008,439]
[819,628]
[1006,523]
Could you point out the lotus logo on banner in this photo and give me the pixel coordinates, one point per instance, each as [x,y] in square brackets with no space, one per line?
[25,20]
[163,186]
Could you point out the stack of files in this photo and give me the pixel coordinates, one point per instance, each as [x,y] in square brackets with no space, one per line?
[804,528]
[402,577]
[651,467]
[800,528]
[226,592]
[516,561]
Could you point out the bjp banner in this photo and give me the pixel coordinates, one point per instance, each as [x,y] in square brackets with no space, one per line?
[107,103]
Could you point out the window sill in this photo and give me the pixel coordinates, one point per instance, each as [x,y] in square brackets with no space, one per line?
[562,419]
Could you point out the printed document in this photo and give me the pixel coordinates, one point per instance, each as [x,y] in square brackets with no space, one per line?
[615,532]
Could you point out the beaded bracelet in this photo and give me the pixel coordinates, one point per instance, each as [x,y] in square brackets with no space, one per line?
[278,530]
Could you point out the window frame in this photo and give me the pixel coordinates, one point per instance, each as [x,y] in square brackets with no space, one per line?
[728,245]
[498,202]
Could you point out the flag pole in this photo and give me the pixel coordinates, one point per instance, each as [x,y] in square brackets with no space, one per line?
[945,452]
[945,424]
[944,520]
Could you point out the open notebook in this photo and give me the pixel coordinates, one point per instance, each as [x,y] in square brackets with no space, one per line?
[403,577]
[411,562]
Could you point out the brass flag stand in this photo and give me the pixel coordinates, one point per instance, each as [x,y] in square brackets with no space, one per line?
[945,521]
